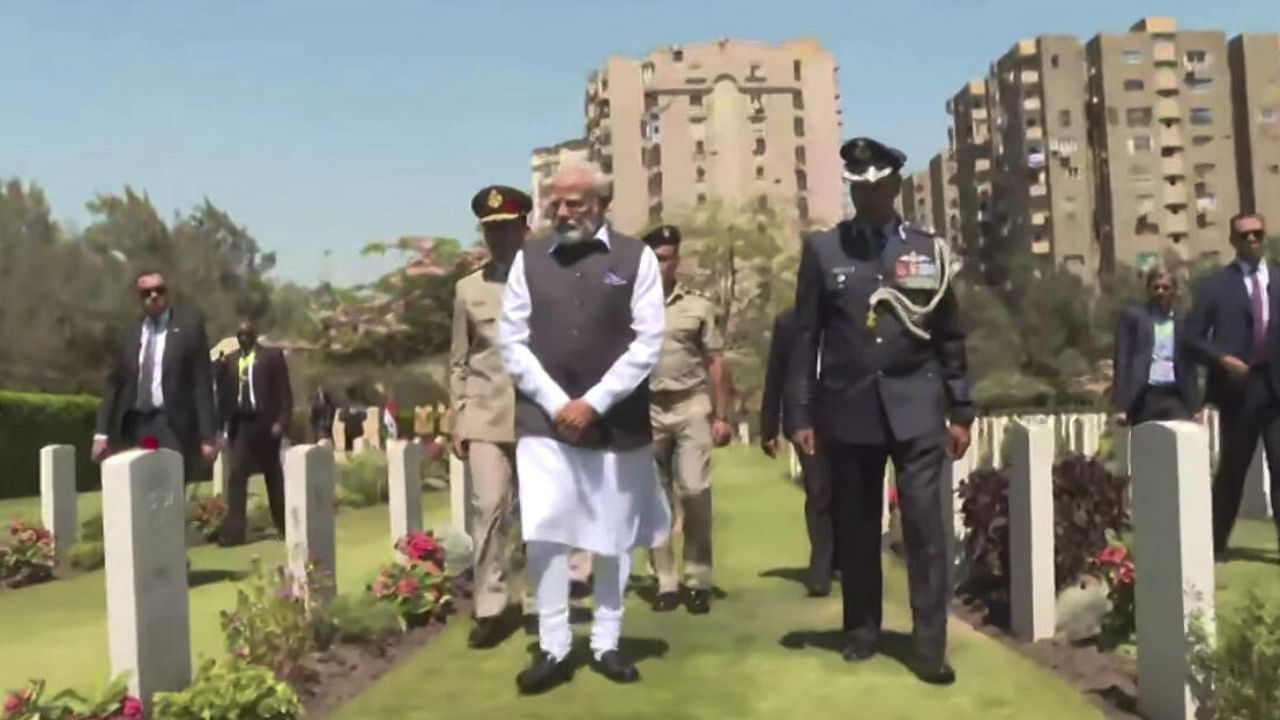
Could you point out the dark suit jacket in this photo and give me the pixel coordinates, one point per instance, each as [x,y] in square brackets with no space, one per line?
[185,380]
[773,404]
[919,384]
[1135,338]
[273,394]
[1221,323]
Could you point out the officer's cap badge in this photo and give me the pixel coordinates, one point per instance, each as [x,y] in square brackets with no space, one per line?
[495,199]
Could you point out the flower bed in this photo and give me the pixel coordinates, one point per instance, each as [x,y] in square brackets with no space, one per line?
[28,557]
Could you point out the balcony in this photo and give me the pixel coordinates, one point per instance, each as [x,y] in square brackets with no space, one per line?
[1173,167]
[1168,109]
[1038,190]
[1039,218]
[1041,247]
[981,165]
[1164,53]
[1030,77]
[1175,196]
[1175,224]
[1166,81]
[1171,137]
[1031,104]
[1035,133]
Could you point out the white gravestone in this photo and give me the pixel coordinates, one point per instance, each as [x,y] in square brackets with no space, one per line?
[58,495]
[360,445]
[997,441]
[1255,504]
[144,521]
[221,471]
[953,519]
[404,477]
[310,473]
[1031,587]
[1172,526]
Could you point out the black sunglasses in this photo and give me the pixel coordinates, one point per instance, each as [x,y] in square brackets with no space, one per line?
[1252,236]
[147,293]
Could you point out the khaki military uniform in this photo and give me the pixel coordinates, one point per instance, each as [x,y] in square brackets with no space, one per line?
[483,414]
[681,413]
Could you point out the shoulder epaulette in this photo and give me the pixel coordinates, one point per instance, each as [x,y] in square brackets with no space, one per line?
[920,228]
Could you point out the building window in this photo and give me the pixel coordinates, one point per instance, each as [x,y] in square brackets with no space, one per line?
[799,154]
[1269,116]
[604,108]
[1064,117]
[759,172]
[677,54]
[754,72]
[1201,116]
[1053,61]
[802,208]
[702,198]
[1201,140]
[795,69]
[695,100]
[700,173]
[1033,120]
[699,147]
[759,149]
[762,202]
[802,180]
[1132,57]
[1274,169]
[1134,85]
[1138,117]
[1199,84]
[1140,143]
[797,101]
[798,125]
[1197,57]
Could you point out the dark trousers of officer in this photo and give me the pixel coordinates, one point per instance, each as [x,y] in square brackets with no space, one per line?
[1250,414]
[818,518]
[253,450]
[140,425]
[1160,403]
[857,483]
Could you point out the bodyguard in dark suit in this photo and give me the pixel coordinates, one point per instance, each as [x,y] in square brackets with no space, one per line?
[1233,334]
[159,384]
[817,488]
[1155,373]
[893,386]
[255,406]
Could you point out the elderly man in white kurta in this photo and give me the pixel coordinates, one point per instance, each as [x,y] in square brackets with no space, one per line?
[581,329]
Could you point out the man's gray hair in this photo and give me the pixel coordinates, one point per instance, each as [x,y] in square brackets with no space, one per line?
[600,184]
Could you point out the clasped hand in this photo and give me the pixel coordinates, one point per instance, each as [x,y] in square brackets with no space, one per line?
[575,420]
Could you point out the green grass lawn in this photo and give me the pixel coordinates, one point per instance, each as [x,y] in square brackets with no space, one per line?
[57,630]
[765,650]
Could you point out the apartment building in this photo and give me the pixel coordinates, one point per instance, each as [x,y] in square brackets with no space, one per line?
[1161,127]
[1042,181]
[544,163]
[917,198]
[946,196]
[1255,73]
[969,141]
[741,123]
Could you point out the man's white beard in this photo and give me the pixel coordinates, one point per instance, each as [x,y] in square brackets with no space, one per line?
[576,235]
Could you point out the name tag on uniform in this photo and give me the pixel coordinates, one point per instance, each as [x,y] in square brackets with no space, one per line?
[914,271]
[840,276]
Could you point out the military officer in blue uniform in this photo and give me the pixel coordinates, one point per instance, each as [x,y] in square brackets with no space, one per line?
[892,386]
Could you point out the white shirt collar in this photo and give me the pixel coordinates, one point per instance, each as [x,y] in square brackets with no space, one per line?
[1249,270]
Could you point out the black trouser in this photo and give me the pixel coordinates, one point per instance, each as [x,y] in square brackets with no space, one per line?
[1250,414]
[817,518]
[857,484]
[253,449]
[154,424]
[1160,403]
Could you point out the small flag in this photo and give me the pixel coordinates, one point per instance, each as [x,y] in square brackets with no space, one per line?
[389,418]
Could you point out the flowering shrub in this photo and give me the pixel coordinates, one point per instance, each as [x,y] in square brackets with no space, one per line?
[1235,659]
[207,514]
[415,586]
[274,621]
[1114,565]
[28,558]
[232,690]
[114,703]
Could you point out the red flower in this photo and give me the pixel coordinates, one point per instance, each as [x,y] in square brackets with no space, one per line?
[893,494]
[1112,554]
[16,702]
[407,587]
[132,708]
[149,443]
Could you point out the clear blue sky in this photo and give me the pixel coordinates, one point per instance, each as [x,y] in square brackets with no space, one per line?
[323,125]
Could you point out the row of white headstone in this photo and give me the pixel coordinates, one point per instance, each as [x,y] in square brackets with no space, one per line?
[144,524]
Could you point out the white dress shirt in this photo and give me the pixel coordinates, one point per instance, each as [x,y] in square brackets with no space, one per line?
[604,501]
[1264,277]
[161,330]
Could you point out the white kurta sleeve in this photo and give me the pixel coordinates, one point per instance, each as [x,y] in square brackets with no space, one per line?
[648,320]
[513,339]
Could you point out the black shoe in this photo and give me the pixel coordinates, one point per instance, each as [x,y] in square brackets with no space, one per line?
[700,602]
[859,650]
[543,675]
[487,633]
[612,666]
[936,674]
[666,602]
[530,624]
[817,590]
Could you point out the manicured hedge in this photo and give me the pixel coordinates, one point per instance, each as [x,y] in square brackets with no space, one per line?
[28,422]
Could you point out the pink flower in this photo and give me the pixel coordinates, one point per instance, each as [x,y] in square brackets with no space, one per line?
[406,587]
[132,708]
[380,588]
[16,702]
[893,494]
[1112,554]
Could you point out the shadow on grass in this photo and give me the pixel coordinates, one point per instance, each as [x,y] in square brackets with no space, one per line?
[893,644]
[795,575]
[1252,555]
[197,578]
